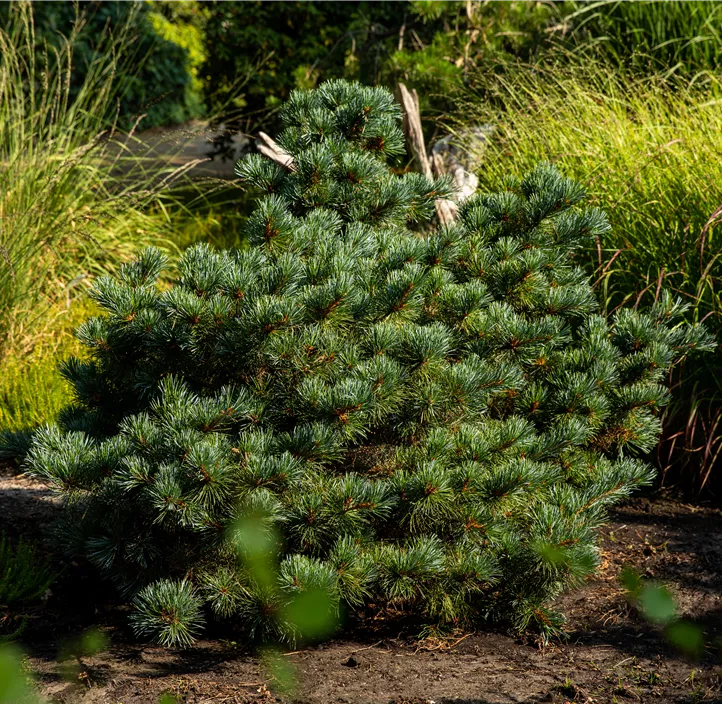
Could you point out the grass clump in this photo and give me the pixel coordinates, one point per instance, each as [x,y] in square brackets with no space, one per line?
[71,204]
[32,390]
[648,35]
[650,150]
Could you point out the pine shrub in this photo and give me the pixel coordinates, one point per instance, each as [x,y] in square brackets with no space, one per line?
[433,420]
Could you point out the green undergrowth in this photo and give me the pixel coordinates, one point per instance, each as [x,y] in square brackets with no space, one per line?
[212,211]
[650,151]
[24,578]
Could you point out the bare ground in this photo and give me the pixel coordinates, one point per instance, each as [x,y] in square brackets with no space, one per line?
[611,654]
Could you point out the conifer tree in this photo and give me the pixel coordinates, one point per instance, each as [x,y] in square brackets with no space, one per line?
[434,419]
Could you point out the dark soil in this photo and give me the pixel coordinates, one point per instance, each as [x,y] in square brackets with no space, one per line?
[611,654]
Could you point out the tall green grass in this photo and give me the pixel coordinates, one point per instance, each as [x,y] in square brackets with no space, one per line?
[77,198]
[72,202]
[650,153]
[683,36]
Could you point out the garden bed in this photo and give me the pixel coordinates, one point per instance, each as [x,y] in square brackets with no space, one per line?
[611,654]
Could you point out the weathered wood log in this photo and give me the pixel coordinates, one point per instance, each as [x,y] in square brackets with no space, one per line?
[272,150]
[445,159]
[413,130]
[445,209]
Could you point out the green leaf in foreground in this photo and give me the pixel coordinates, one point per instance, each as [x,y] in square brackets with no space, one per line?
[312,615]
[657,603]
[14,685]
[687,636]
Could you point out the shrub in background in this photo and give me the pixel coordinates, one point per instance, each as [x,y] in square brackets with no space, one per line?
[442,41]
[647,36]
[650,147]
[179,25]
[259,52]
[432,419]
[156,68]
[242,59]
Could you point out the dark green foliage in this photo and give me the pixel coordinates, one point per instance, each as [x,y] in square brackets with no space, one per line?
[24,576]
[261,51]
[434,419]
[258,52]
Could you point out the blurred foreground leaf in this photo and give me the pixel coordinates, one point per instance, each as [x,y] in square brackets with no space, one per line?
[280,671]
[15,687]
[313,615]
[657,604]
[686,636]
